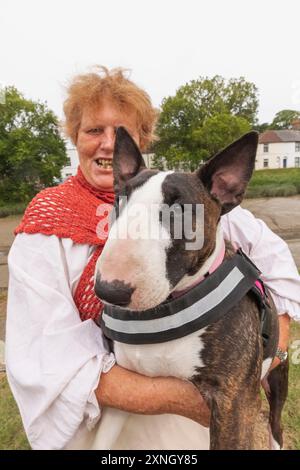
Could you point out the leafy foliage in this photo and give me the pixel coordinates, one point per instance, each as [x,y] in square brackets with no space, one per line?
[284,119]
[32,151]
[262,127]
[203,117]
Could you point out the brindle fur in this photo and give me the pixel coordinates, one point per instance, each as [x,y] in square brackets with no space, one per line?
[230,379]
[233,352]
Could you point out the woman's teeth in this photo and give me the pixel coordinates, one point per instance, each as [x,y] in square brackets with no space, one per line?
[106,164]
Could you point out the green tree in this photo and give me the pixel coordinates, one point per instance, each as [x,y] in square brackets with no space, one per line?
[241,99]
[185,117]
[219,131]
[32,151]
[261,127]
[284,119]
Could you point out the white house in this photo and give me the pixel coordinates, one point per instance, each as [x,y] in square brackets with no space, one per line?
[71,168]
[278,149]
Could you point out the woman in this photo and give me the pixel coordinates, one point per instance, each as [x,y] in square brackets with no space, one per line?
[59,367]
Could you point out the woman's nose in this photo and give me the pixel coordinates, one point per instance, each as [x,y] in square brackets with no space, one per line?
[108,139]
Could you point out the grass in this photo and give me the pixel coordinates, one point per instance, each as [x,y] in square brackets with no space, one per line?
[12,435]
[12,208]
[274,183]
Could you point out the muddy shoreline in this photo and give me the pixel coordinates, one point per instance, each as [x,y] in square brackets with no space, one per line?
[282,215]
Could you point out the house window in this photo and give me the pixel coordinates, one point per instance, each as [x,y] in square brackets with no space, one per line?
[266,148]
[68,161]
[297,147]
[297,162]
[266,163]
[284,161]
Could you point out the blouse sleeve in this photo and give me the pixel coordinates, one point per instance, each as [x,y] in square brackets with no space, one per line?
[270,254]
[53,359]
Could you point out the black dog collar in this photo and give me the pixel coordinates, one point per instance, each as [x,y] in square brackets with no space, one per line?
[202,305]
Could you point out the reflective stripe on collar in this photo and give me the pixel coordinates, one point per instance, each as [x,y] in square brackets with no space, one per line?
[202,305]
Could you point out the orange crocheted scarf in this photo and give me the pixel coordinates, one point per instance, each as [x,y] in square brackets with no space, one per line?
[71,210]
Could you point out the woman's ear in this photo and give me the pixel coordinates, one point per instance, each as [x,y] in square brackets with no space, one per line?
[227,174]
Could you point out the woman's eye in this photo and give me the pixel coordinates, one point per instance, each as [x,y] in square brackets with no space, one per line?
[95,130]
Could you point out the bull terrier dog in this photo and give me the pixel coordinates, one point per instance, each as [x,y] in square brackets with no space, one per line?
[187,305]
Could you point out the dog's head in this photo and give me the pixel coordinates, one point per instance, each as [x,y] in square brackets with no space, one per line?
[166,224]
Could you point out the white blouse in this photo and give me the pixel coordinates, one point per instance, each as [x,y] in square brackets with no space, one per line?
[54,360]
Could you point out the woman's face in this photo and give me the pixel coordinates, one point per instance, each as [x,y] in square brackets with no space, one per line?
[96,139]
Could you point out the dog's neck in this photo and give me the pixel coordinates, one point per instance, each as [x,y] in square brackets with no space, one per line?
[210,265]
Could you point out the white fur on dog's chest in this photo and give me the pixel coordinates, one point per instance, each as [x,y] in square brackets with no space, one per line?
[177,358]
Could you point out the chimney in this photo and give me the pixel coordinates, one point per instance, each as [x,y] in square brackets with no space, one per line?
[296,125]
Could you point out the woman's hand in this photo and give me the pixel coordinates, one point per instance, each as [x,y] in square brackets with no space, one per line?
[284,331]
[136,393]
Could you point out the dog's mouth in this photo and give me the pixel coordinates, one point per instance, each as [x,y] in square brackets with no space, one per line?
[105,163]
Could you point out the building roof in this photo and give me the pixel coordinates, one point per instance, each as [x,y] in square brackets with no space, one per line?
[270,137]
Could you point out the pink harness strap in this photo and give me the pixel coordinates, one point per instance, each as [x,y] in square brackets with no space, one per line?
[217,262]
[260,287]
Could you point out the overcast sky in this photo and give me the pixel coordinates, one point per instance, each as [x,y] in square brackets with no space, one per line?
[165,43]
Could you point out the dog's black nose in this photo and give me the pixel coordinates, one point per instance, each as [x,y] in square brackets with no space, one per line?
[115,292]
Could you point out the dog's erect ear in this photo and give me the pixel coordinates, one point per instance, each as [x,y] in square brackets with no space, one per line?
[127,159]
[227,174]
